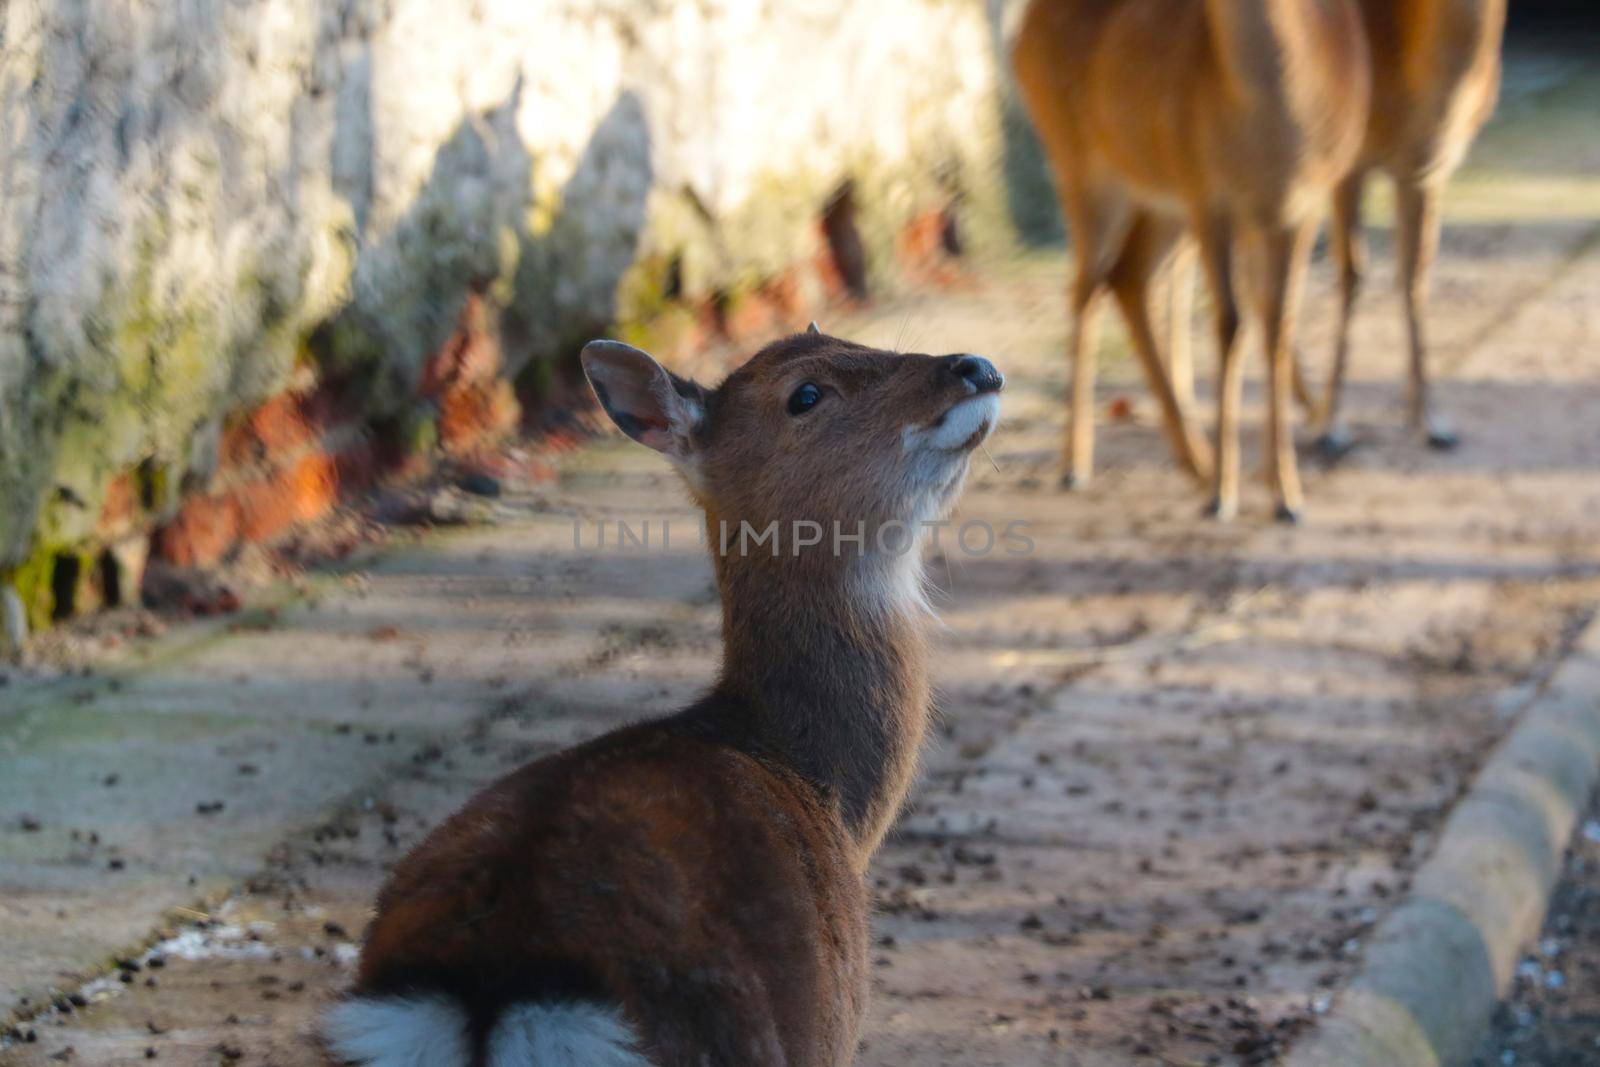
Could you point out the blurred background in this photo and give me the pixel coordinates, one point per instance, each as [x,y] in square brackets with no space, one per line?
[387,228]
[287,287]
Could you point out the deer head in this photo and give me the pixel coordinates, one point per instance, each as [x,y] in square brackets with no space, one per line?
[816,434]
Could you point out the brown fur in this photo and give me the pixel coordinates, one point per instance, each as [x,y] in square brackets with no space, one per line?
[1231,117]
[1436,78]
[704,872]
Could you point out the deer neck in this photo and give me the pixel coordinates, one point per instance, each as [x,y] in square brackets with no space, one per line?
[825,659]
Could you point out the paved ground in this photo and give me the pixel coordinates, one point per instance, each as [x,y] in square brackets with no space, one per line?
[1183,768]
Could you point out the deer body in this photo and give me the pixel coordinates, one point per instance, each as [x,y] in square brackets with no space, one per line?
[1436,79]
[1233,118]
[689,892]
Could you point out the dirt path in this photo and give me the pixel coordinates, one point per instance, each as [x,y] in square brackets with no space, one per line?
[1183,766]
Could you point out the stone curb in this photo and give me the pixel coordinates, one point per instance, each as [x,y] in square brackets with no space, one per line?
[1436,967]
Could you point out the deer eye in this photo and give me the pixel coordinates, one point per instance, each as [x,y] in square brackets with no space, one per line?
[804,399]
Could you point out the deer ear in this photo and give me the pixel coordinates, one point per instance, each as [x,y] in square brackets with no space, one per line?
[813,327]
[647,402]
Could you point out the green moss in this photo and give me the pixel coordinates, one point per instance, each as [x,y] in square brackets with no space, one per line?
[536,380]
[414,432]
[502,290]
[664,332]
[165,351]
[170,350]
[155,483]
[155,370]
[343,345]
[649,287]
[32,580]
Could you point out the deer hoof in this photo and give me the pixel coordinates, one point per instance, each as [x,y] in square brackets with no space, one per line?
[1072,482]
[1442,438]
[1220,510]
[1334,443]
[1287,515]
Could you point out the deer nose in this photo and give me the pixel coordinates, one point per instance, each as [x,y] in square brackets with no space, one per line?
[982,375]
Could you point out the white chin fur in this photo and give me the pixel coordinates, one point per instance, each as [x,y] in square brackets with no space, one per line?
[958,425]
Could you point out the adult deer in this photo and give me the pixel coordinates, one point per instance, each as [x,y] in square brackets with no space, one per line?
[1234,118]
[689,891]
[1436,79]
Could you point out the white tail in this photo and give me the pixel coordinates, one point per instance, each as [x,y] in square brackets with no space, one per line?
[559,1035]
[434,1032]
[399,1032]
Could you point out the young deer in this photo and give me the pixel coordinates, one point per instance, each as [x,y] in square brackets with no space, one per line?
[689,891]
[1233,117]
[1436,78]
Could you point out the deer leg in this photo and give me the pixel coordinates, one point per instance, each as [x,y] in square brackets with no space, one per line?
[1418,207]
[1083,335]
[1302,384]
[1215,241]
[1283,258]
[1180,324]
[1099,226]
[1147,244]
[1349,252]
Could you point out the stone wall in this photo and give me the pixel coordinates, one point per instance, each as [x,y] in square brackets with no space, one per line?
[252,253]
